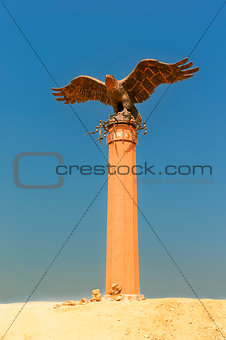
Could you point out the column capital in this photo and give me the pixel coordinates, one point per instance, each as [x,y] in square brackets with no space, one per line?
[122,132]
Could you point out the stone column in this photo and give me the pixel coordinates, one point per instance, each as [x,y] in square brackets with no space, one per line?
[122,263]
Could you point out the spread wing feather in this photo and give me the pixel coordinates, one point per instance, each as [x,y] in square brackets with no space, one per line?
[81,89]
[150,73]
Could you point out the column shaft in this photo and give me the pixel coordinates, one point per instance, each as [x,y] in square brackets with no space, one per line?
[122,263]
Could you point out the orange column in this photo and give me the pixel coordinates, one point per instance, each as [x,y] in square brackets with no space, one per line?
[122,263]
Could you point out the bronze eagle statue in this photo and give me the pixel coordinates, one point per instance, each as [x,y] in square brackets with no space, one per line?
[123,94]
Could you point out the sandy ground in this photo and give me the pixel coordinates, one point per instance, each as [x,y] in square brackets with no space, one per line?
[155,319]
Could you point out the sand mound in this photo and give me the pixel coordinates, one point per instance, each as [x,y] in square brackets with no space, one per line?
[155,319]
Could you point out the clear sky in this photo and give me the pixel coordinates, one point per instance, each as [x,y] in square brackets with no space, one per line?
[97,38]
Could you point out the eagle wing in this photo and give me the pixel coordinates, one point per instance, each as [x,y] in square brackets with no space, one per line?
[150,73]
[81,89]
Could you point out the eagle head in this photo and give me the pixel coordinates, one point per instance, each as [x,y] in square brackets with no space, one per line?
[110,82]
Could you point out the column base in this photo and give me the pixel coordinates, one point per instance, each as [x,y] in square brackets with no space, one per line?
[123,297]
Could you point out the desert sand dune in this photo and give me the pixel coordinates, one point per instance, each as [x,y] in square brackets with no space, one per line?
[159,319]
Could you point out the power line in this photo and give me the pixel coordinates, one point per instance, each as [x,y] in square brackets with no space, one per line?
[189,55]
[172,258]
[55,257]
[49,73]
[207,29]
[89,206]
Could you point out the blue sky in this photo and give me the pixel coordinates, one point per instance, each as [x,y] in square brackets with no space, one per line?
[98,38]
